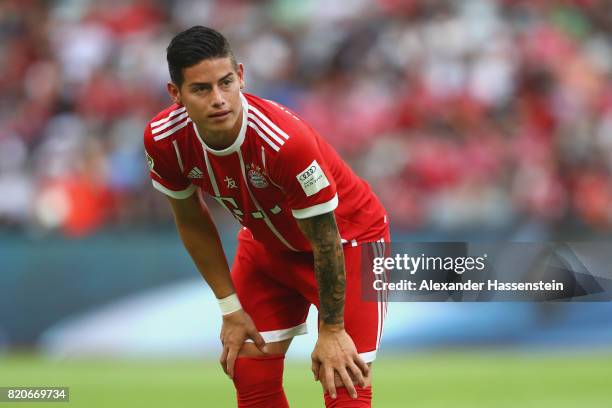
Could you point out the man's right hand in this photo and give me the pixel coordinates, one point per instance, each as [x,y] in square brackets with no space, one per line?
[236,329]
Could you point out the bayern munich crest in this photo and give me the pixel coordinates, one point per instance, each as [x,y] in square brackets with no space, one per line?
[255,176]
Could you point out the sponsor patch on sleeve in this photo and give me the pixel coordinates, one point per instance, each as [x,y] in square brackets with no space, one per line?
[312,179]
[151,164]
[150,161]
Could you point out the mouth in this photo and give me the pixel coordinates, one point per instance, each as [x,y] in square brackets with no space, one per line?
[220,115]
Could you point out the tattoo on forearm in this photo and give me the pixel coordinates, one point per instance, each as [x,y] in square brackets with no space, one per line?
[328,265]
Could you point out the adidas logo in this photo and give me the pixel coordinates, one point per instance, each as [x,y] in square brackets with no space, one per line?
[195,173]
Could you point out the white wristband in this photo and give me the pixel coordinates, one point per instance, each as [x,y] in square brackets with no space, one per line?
[229,304]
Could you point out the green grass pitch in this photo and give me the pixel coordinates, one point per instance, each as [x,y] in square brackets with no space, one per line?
[449,379]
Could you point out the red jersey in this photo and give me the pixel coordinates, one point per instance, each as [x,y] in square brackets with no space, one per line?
[277,169]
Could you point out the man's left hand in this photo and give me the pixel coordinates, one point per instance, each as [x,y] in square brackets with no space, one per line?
[335,352]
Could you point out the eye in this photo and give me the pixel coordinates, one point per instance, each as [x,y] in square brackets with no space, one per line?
[226,82]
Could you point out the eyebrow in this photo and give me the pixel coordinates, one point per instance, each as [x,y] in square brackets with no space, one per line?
[207,83]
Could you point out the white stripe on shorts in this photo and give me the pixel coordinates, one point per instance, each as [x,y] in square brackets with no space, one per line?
[283,334]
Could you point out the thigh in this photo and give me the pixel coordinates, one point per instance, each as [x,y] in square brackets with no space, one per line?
[273,348]
[278,311]
[364,317]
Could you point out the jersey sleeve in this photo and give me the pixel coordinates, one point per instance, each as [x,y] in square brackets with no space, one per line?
[164,169]
[301,172]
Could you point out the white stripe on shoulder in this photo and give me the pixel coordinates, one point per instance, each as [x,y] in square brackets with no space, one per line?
[264,137]
[173,130]
[266,129]
[268,121]
[170,123]
[167,118]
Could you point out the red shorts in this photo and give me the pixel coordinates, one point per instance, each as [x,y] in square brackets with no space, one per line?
[276,289]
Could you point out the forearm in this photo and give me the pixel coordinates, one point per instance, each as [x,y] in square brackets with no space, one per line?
[204,247]
[201,239]
[335,354]
[323,235]
[330,276]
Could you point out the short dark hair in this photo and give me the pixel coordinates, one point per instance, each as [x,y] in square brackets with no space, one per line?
[193,45]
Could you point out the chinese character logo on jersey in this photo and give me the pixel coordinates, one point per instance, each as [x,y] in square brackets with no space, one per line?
[256,178]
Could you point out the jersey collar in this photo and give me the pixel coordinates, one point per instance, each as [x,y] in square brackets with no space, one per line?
[234,147]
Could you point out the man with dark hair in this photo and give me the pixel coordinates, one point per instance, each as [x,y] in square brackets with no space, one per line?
[304,214]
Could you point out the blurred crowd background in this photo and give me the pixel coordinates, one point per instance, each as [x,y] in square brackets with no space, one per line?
[460,114]
[470,119]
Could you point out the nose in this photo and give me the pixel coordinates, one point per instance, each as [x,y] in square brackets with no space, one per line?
[217,100]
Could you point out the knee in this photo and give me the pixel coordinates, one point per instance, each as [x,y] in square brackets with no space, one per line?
[259,382]
[344,400]
[367,378]
[252,371]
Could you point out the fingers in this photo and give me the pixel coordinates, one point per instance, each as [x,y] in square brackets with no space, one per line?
[328,381]
[363,366]
[357,374]
[347,381]
[223,359]
[259,341]
[349,375]
[232,354]
[315,369]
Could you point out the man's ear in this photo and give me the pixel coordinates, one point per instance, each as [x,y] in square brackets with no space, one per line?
[241,75]
[174,93]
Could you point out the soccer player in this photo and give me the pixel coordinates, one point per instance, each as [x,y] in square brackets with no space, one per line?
[304,216]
